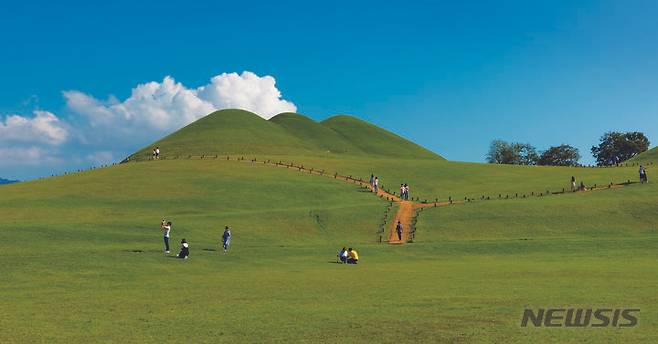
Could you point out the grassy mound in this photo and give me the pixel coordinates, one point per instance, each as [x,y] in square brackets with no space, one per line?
[375,141]
[315,135]
[650,156]
[239,132]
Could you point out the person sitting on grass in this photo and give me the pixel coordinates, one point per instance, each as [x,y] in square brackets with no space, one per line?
[184,249]
[342,255]
[353,256]
[582,186]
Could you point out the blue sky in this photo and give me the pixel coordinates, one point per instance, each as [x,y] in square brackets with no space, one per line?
[451,76]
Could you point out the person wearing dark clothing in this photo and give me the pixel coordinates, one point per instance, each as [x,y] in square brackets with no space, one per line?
[398,229]
[226,238]
[342,255]
[184,249]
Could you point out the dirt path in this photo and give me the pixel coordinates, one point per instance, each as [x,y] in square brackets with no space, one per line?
[407,210]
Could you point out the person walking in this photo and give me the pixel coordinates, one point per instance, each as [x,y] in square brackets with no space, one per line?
[376,186]
[166,229]
[573,183]
[398,229]
[157,153]
[372,181]
[401,191]
[226,238]
[643,174]
[406,192]
[153,154]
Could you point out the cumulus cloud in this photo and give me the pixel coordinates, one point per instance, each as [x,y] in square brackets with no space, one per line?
[26,156]
[170,105]
[101,131]
[44,128]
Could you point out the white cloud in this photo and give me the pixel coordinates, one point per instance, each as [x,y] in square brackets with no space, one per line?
[169,105]
[26,156]
[43,128]
[99,131]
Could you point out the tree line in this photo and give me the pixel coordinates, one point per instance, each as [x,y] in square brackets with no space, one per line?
[613,148]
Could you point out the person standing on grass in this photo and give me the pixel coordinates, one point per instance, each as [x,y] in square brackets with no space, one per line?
[153,154]
[157,153]
[573,183]
[643,174]
[372,181]
[406,192]
[376,185]
[401,191]
[398,229]
[226,238]
[165,231]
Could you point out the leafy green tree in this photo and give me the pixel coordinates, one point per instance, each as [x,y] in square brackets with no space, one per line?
[616,147]
[501,152]
[562,155]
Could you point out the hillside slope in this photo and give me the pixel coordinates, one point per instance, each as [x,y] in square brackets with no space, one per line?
[239,132]
[375,141]
[649,156]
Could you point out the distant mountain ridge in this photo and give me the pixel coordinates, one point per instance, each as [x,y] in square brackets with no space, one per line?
[7,181]
[239,132]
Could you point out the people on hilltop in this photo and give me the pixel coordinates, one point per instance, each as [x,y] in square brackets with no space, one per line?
[643,174]
[352,256]
[342,255]
[573,183]
[226,238]
[399,230]
[184,249]
[165,227]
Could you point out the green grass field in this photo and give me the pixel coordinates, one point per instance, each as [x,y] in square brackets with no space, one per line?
[71,272]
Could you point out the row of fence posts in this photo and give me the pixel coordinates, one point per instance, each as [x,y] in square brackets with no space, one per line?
[66,173]
[382,226]
[390,200]
[414,221]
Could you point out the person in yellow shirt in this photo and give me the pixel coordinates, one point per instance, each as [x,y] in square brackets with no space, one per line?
[353,256]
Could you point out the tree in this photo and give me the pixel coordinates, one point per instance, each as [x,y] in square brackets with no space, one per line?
[562,155]
[616,147]
[501,152]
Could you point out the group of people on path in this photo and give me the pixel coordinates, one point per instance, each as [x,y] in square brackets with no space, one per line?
[156,153]
[582,186]
[165,227]
[404,192]
[348,256]
[374,183]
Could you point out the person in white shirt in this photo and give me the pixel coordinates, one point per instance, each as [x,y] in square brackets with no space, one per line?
[157,153]
[165,230]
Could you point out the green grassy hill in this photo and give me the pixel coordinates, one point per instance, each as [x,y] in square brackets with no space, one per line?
[239,132]
[314,135]
[374,141]
[83,261]
[649,156]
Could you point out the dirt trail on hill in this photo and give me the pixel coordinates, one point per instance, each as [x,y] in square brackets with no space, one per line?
[405,214]
[407,210]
